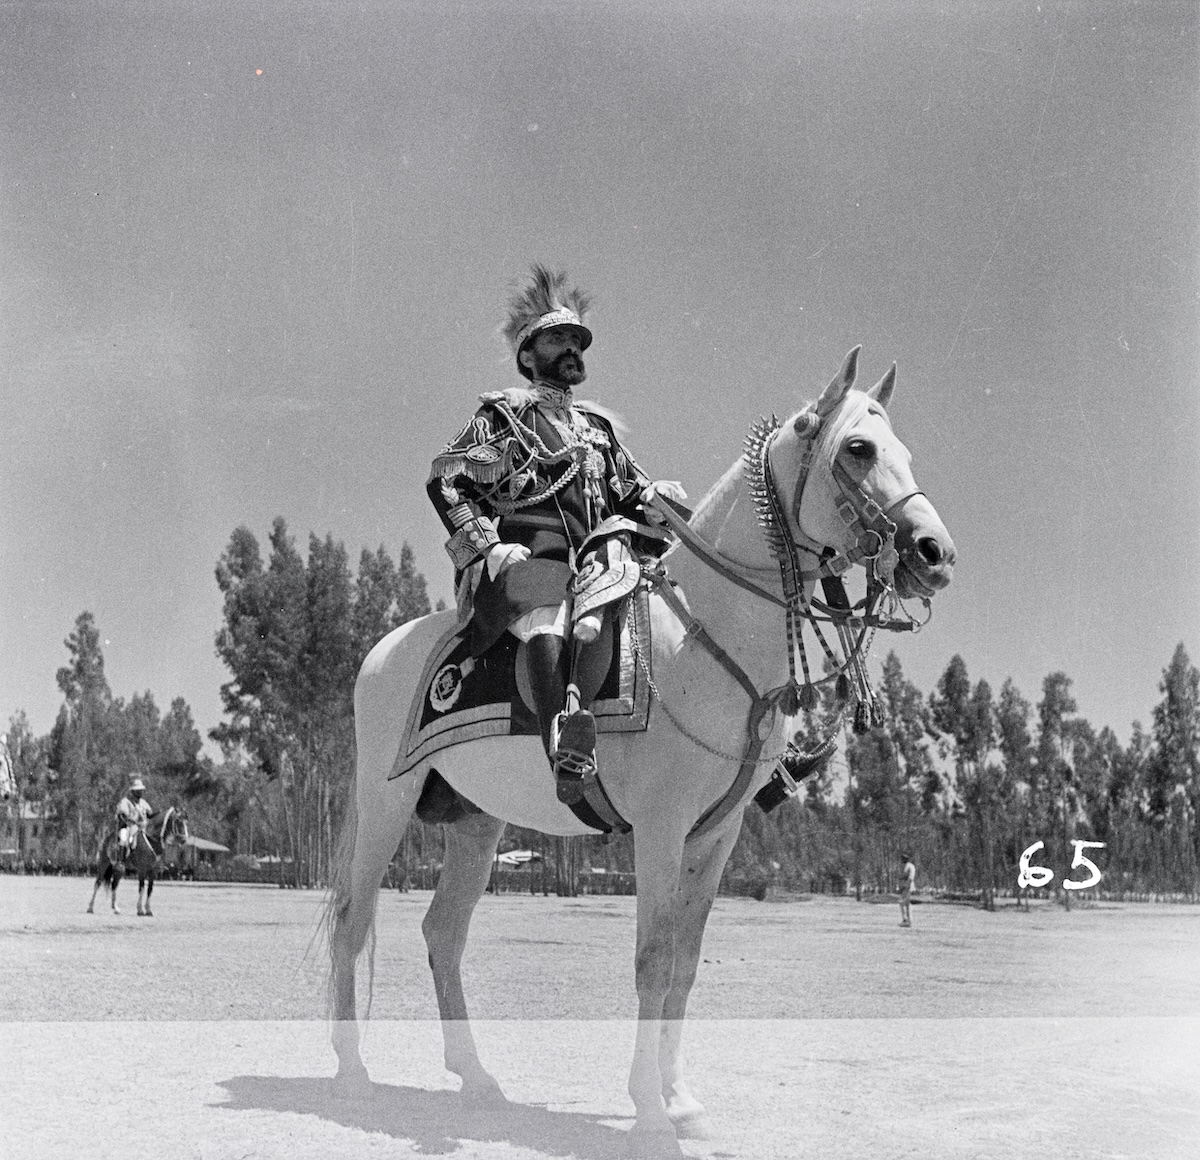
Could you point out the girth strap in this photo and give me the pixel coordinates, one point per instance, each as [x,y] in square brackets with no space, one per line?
[595,810]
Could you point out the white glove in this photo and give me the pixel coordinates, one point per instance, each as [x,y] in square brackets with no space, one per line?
[502,556]
[668,489]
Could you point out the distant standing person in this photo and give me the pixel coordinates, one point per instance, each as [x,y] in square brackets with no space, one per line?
[908,879]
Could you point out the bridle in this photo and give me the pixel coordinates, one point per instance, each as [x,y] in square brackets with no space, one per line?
[872,535]
[172,824]
[855,625]
[873,540]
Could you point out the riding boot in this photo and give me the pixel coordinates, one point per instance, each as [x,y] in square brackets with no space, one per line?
[569,739]
[548,683]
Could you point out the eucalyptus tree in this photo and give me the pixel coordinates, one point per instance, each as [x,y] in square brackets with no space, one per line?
[1057,799]
[1173,770]
[294,634]
[1015,743]
[80,737]
[966,717]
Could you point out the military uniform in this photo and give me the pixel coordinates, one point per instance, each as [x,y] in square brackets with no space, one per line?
[543,506]
[532,467]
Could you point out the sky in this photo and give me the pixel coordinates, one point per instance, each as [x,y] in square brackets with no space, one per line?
[253,259]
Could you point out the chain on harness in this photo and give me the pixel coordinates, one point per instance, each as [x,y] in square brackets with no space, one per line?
[874,547]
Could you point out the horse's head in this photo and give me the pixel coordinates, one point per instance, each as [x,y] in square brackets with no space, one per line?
[175,829]
[847,481]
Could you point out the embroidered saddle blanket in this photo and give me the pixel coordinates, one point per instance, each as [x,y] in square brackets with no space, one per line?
[462,698]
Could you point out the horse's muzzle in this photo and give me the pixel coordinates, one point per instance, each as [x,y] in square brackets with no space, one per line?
[926,565]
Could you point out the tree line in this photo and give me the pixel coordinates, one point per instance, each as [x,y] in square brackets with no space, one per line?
[961,779]
[965,781]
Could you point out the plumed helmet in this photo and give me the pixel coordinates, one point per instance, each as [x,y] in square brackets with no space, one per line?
[137,783]
[542,302]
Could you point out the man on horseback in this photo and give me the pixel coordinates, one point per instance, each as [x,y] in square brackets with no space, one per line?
[545,510]
[133,811]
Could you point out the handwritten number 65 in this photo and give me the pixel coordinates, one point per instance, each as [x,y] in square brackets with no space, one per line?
[1036,876]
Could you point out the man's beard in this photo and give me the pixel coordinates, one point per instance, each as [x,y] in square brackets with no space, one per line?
[567,370]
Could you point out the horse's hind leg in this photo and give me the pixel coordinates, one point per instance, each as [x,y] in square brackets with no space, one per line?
[147,913]
[470,848]
[95,891]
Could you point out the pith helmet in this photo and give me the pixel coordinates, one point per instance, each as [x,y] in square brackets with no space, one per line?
[543,302]
[137,783]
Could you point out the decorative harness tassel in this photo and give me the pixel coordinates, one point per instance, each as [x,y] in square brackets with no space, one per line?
[852,682]
[854,625]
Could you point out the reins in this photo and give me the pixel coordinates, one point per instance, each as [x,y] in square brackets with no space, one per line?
[855,625]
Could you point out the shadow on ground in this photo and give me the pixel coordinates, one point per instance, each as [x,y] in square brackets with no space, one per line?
[435,1121]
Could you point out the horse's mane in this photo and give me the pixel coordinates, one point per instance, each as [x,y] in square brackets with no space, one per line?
[715,494]
[851,410]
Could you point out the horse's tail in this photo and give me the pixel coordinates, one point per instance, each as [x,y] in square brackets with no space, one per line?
[337,921]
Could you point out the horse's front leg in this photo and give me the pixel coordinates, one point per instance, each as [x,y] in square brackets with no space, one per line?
[470,850]
[148,913]
[657,860]
[95,891]
[703,862]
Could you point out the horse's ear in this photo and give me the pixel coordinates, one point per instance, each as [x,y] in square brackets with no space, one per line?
[833,394]
[881,392]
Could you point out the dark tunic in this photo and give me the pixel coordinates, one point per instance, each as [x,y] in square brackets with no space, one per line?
[510,476]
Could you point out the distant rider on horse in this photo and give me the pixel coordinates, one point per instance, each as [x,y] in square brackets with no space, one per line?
[133,811]
[545,510]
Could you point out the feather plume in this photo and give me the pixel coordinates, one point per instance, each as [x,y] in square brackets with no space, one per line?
[544,291]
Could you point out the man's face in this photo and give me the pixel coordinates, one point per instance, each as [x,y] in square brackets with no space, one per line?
[555,357]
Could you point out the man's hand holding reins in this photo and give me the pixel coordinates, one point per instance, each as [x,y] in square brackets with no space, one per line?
[670,489]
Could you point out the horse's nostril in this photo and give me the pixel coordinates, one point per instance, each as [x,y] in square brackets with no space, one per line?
[930,550]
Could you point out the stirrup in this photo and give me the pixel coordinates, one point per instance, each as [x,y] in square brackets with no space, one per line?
[574,754]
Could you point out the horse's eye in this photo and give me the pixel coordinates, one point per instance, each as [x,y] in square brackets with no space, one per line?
[861,448]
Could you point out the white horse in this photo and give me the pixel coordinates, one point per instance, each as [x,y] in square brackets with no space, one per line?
[833,481]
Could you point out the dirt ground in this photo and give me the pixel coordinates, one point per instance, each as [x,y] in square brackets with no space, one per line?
[818,1028]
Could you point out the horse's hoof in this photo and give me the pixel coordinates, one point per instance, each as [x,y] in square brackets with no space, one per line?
[351,1083]
[487,1096]
[652,1145]
[693,1126]
[90,910]
[116,910]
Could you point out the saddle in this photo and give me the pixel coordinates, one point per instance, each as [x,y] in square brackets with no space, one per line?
[462,698]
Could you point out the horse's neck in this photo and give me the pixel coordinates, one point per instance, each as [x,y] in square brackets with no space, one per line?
[725,518]
[747,626]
